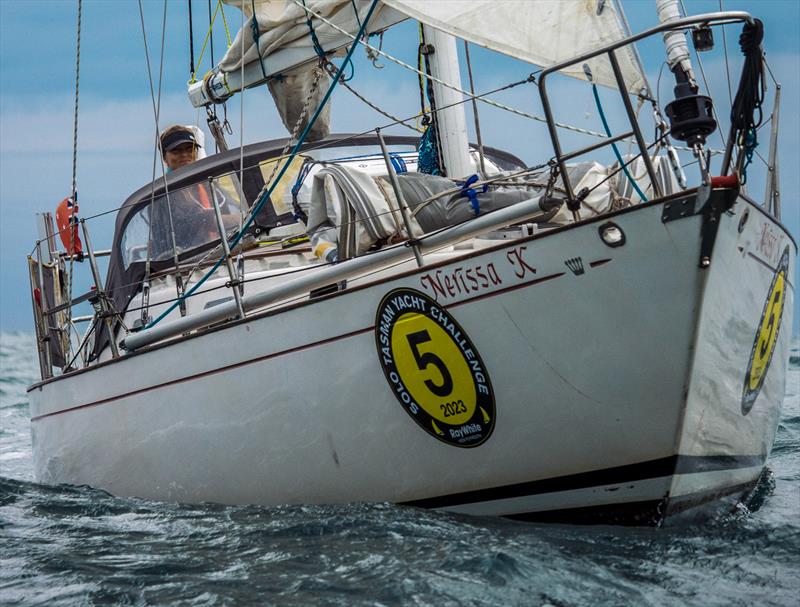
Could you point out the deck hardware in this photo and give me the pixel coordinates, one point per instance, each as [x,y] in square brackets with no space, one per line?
[678,209]
[702,38]
[718,202]
[139,323]
[691,115]
[611,234]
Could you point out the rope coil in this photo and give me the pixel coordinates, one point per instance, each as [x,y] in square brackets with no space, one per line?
[750,95]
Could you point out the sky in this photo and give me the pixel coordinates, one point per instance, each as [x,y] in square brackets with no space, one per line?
[116,123]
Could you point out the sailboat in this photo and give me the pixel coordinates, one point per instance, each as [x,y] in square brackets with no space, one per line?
[425,321]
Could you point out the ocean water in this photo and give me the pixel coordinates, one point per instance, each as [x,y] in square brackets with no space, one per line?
[80,546]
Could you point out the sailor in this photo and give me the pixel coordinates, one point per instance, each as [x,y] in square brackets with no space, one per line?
[179,146]
[191,215]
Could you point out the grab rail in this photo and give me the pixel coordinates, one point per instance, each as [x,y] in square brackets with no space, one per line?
[719,18]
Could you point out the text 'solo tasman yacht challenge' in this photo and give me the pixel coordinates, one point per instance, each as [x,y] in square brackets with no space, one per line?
[425,321]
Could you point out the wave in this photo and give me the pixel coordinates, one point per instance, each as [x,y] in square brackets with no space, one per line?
[366,554]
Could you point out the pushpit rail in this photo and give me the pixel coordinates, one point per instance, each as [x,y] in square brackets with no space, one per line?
[51,275]
[561,158]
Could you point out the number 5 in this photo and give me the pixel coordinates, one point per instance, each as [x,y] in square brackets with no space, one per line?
[771,326]
[427,359]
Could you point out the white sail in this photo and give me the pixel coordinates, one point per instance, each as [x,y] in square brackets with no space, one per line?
[276,39]
[544,32]
[284,41]
[283,24]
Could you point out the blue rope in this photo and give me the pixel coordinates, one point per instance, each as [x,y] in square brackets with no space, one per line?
[256,36]
[352,73]
[355,10]
[398,163]
[314,40]
[750,145]
[469,192]
[614,145]
[301,177]
[266,196]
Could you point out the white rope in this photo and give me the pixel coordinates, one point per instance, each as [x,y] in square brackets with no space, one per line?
[74,192]
[77,91]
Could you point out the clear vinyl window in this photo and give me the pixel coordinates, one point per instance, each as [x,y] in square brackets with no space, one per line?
[180,221]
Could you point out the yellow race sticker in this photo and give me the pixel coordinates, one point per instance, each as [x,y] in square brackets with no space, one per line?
[434,369]
[767,335]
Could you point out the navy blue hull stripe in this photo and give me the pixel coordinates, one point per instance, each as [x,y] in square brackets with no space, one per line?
[666,466]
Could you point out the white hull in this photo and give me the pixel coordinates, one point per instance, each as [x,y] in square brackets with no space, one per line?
[617,390]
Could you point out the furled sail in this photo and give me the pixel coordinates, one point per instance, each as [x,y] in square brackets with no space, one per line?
[542,32]
[276,37]
[675,42]
[283,24]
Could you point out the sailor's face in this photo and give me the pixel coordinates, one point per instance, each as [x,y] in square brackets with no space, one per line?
[184,154]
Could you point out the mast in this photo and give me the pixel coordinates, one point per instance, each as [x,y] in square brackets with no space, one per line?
[451,121]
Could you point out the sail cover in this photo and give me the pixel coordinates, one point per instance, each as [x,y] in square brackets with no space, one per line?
[542,32]
[283,24]
[273,26]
